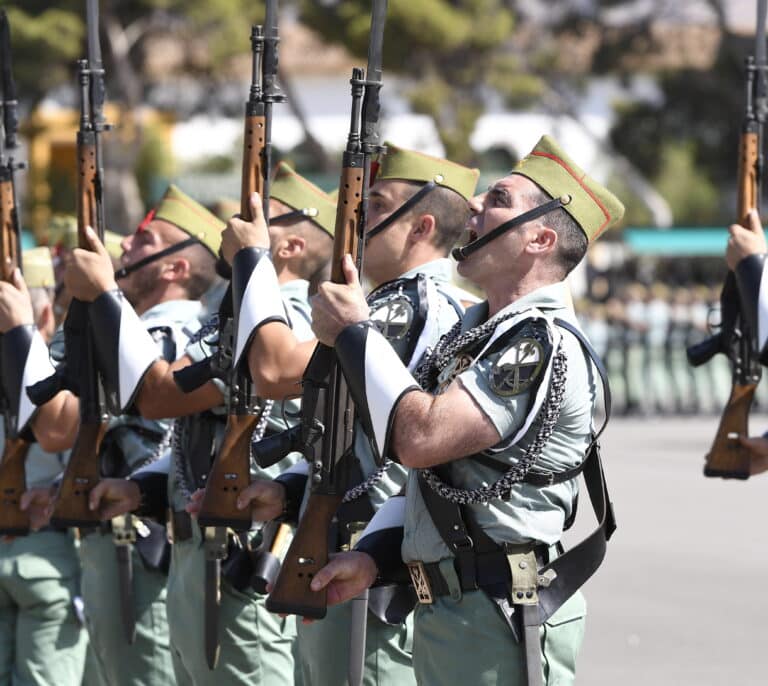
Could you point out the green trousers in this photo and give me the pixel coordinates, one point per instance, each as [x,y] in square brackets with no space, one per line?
[324,651]
[256,646]
[147,661]
[466,641]
[41,640]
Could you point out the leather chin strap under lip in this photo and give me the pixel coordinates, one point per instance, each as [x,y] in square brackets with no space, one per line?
[400,211]
[122,273]
[464,252]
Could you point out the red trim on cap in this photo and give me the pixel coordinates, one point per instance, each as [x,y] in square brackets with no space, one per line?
[146,221]
[375,167]
[579,181]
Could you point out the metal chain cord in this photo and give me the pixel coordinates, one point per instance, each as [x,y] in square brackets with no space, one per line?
[548,416]
[362,488]
[453,342]
[437,359]
[162,446]
[422,376]
[180,474]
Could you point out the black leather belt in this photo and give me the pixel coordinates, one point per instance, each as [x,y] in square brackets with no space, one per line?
[182,526]
[491,568]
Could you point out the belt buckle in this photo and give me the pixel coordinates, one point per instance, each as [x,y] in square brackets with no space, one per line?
[420,582]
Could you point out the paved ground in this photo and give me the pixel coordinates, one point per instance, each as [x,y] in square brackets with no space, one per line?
[682,598]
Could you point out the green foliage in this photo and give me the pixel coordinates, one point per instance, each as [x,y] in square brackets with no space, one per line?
[52,38]
[452,49]
[694,199]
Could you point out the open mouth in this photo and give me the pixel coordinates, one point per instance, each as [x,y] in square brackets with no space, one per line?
[472,236]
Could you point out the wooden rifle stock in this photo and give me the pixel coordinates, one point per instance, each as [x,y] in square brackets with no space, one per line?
[13,520]
[70,505]
[231,469]
[727,458]
[308,552]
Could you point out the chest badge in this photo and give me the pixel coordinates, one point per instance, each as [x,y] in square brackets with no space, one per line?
[394,318]
[517,368]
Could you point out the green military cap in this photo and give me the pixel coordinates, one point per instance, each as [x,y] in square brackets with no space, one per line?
[295,191]
[113,243]
[191,217]
[593,207]
[409,165]
[38,268]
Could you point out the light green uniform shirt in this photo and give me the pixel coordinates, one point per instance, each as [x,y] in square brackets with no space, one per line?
[532,513]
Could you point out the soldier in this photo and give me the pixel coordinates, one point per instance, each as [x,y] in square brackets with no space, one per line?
[417,211]
[168,263]
[494,453]
[255,645]
[44,641]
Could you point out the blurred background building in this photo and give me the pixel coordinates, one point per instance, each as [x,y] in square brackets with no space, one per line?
[647,94]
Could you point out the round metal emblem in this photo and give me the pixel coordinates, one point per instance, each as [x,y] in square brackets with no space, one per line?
[456,367]
[393,317]
[517,368]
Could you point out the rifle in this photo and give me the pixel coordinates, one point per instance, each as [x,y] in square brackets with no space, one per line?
[13,521]
[231,469]
[79,372]
[327,407]
[727,458]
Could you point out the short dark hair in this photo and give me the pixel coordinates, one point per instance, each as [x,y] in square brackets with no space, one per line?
[318,247]
[202,270]
[450,210]
[571,240]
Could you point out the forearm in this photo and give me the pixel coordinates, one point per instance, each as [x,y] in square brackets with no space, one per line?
[159,397]
[55,423]
[277,360]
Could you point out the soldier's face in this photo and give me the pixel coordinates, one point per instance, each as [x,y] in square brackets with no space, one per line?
[385,251]
[153,238]
[504,200]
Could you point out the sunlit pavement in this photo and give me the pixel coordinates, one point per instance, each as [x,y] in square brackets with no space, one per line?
[682,598]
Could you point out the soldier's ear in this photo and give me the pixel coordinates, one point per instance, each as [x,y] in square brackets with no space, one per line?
[291,246]
[423,229]
[177,270]
[543,240]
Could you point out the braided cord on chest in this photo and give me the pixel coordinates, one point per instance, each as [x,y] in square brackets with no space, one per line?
[547,419]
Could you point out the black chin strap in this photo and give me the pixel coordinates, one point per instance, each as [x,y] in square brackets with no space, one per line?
[122,273]
[463,253]
[400,211]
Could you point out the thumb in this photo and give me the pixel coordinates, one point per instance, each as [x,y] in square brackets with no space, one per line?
[350,271]
[94,497]
[753,219]
[94,243]
[257,209]
[18,281]
[326,575]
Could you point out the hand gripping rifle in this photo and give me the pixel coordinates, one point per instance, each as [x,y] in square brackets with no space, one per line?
[727,458]
[327,407]
[13,521]
[231,469]
[78,373]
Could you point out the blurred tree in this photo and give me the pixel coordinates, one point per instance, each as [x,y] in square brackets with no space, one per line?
[453,49]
